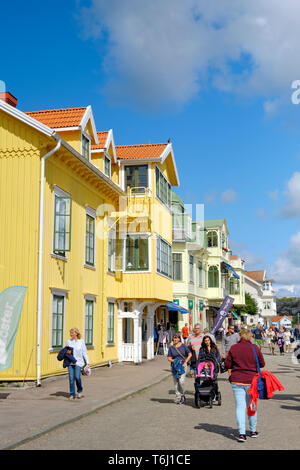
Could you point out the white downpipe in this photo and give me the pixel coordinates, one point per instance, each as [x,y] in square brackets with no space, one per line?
[40,273]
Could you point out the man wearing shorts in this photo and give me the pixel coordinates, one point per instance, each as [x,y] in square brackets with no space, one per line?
[258,334]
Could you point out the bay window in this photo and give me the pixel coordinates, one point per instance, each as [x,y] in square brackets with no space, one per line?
[163,257]
[137,253]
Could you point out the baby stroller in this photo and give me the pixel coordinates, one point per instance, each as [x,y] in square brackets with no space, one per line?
[206,382]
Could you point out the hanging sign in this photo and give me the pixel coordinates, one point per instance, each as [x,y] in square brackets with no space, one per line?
[222,313]
[11,304]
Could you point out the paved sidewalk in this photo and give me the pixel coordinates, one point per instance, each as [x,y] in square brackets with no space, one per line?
[26,413]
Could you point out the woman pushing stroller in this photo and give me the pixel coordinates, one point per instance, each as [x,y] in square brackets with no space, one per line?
[207,368]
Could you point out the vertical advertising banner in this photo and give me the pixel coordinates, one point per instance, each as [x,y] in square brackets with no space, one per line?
[222,313]
[11,304]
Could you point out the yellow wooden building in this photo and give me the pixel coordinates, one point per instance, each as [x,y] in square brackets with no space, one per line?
[86,227]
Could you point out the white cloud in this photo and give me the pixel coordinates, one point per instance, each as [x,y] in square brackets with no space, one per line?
[292,207]
[163,52]
[228,196]
[287,291]
[286,269]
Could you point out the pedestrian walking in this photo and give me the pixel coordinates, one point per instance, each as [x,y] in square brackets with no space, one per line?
[271,340]
[179,355]
[287,340]
[229,339]
[209,347]
[81,356]
[163,340]
[185,332]
[280,341]
[207,333]
[155,338]
[194,343]
[242,363]
[171,331]
[258,334]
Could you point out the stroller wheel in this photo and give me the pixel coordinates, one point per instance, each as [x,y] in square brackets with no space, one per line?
[210,402]
[197,401]
[219,399]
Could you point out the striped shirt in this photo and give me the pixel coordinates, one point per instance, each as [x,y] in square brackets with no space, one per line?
[194,342]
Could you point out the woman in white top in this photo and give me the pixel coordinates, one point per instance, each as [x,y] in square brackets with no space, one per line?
[81,356]
[287,340]
[271,339]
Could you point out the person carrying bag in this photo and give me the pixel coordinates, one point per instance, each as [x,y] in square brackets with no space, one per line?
[178,356]
[242,363]
[263,385]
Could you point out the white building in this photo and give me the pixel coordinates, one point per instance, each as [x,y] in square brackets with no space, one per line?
[260,288]
[282,322]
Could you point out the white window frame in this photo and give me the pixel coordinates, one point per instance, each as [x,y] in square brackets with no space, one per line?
[111,302]
[89,298]
[138,235]
[136,163]
[111,256]
[88,137]
[107,157]
[58,293]
[159,241]
[57,191]
[169,202]
[89,211]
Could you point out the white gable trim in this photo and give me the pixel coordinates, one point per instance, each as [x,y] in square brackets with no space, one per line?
[88,115]
[169,150]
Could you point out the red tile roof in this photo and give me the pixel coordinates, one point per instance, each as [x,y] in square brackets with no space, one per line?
[144,151]
[58,118]
[279,318]
[234,256]
[255,275]
[102,136]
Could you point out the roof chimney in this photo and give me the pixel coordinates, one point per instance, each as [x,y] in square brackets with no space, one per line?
[8,98]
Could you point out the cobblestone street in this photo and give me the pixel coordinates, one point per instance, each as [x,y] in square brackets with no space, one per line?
[148,419]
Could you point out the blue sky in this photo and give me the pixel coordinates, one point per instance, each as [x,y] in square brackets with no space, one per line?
[215,80]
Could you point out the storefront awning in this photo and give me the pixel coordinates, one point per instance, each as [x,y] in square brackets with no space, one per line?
[232,270]
[176,308]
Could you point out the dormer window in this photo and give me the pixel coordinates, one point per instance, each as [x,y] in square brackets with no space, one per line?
[107,166]
[85,147]
[212,239]
[136,178]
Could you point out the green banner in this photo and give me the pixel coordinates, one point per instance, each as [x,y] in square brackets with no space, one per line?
[11,304]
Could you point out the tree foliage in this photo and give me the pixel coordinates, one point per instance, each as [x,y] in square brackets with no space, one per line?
[250,307]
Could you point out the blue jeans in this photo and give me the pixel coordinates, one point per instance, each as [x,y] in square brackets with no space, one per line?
[242,399]
[75,376]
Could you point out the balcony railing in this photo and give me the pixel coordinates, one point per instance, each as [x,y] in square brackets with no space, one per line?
[138,202]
